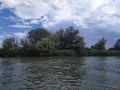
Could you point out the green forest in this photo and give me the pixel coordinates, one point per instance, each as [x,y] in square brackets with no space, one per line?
[64,42]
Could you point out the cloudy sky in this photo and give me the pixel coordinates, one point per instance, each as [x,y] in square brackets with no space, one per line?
[94,18]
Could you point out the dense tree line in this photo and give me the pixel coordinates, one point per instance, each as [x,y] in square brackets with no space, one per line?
[64,42]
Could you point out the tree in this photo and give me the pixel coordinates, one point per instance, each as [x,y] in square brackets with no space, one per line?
[37,34]
[53,37]
[24,43]
[26,47]
[29,43]
[117,45]
[69,39]
[60,39]
[100,45]
[45,47]
[9,43]
[10,47]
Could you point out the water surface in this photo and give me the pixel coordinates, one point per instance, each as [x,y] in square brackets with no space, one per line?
[60,73]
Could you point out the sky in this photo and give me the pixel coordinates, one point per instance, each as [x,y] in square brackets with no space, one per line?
[94,18]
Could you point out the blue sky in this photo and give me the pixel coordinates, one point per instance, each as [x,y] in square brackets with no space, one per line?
[94,18]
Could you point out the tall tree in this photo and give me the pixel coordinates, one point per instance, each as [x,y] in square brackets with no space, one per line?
[9,43]
[117,45]
[24,42]
[10,47]
[37,34]
[69,39]
[60,39]
[100,45]
[45,47]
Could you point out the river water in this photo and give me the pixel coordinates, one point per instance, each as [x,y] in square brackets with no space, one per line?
[60,73]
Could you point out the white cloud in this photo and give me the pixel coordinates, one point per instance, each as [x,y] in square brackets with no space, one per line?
[20,23]
[20,26]
[1,36]
[20,35]
[35,21]
[1,42]
[14,19]
[80,12]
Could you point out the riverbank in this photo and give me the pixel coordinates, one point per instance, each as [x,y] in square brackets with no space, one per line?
[21,53]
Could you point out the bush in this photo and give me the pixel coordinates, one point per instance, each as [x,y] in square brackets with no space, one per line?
[64,53]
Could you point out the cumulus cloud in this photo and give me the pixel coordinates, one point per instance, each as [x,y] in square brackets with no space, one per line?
[20,26]
[83,13]
[13,18]
[21,23]
[1,36]
[20,35]
[1,42]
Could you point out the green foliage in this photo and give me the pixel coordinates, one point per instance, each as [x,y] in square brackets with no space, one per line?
[60,39]
[24,43]
[26,47]
[15,51]
[40,42]
[69,52]
[117,45]
[102,53]
[100,45]
[45,47]
[10,47]
[69,39]
[53,37]
[37,35]
[9,43]
[65,42]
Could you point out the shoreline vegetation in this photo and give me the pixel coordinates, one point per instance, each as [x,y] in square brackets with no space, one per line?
[65,42]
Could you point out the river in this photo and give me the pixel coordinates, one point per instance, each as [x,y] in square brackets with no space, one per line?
[60,73]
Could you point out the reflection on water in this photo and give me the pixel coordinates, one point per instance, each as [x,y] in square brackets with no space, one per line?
[61,73]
